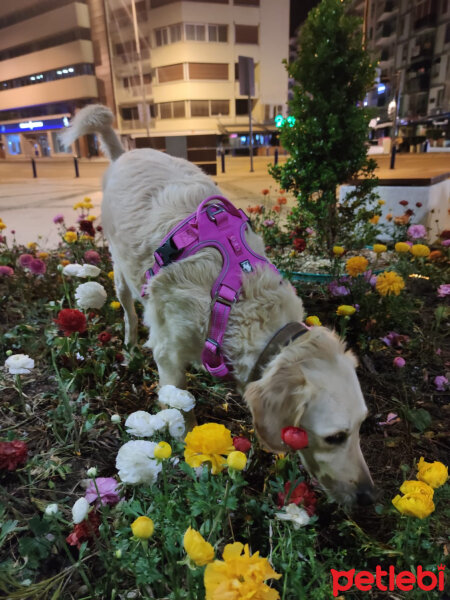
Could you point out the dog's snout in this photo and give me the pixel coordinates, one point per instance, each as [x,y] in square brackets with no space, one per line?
[365,497]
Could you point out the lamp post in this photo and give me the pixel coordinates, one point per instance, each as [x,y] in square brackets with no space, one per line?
[393,114]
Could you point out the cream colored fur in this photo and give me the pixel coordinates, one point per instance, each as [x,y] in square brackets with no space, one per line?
[311,382]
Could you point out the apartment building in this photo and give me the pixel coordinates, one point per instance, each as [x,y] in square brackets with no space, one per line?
[411,41]
[187,99]
[47,71]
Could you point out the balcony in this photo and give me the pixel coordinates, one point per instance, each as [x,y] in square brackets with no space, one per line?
[132,93]
[389,10]
[427,22]
[386,35]
[386,59]
[418,83]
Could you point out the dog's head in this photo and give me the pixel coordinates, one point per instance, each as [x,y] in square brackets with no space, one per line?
[312,384]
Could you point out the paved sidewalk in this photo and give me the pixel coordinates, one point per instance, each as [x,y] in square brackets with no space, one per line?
[28,205]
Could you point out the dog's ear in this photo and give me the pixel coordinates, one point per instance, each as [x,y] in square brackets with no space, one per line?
[276,401]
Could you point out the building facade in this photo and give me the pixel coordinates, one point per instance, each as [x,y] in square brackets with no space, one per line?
[47,71]
[410,39]
[176,73]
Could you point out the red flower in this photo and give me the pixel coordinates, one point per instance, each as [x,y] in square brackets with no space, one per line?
[404,202]
[85,531]
[71,320]
[242,444]
[264,192]
[295,437]
[104,337]
[119,357]
[418,204]
[12,454]
[92,257]
[72,228]
[281,200]
[87,227]
[277,208]
[299,244]
[409,212]
[302,494]
[445,235]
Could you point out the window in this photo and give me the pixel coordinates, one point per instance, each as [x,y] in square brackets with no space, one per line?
[195,32]
[220,107]
[208,71]
[175,33]
[246,34]
[199,108]
[169,110]
[135,80]
[206,108]
[129,113]
[241,107]
[170,73]
[217,33]
[52,75]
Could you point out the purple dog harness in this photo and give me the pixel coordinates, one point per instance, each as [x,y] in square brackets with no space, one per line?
[222,226]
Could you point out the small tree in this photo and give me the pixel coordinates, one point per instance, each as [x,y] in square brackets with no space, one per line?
[328,141]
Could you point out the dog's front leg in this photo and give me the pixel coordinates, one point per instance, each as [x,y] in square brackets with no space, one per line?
[172,374]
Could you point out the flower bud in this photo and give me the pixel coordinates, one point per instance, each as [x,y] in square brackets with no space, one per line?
[92,472]
[142,528]
[115,419]
[162,451]
[237,460]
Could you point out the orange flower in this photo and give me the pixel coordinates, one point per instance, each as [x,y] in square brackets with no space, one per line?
[356,265]
[389,217]
[374,220]
[403,220]
[281,200]
[265,192]
[436,255]
[277,208]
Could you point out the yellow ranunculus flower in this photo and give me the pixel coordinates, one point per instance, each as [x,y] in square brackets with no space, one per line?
[388,283]
[356,265]
[434,474]
[91,218]
[77,205]
[240,575]
[313,321]
[111,275]
[374,220]
[414,505]
[237,460]
[381,202]
[293,253]
[86,238]
[420,250]
[43,255]
[379,248]
[114,305]
[163,450]
[197,548]
[87,205]
[344,310]
[338,250]
[416,487]
[143,528]
[70,237]
[402,247]
[86,199]
[2,225]
[32,245]
[208,443]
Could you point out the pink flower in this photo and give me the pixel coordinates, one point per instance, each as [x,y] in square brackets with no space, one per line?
[395,339]
[92,257]
[391,419]
[416,231]
[6,271]
[399,362]
[107,491]
[440,382]
[25,260]
[445,243]
[58,219]
[443,290]
[268,222]
[37,266]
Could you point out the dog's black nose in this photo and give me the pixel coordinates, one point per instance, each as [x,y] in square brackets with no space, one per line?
[364,498]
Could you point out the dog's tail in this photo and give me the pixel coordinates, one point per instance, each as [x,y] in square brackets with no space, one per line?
[94,118]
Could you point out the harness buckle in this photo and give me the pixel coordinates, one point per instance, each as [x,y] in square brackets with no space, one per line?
[213,210]
[214,343]
[167,252]
[222,300]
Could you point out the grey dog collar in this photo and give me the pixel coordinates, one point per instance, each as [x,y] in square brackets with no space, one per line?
[284,336]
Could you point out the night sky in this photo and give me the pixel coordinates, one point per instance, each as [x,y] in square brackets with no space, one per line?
[299,12]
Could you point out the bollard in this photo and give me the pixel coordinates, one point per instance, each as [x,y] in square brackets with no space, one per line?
[75,163]
[276,156]
[33,166]
[393,153]
[222,159]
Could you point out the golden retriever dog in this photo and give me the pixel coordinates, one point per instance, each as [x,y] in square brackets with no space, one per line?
[309,382]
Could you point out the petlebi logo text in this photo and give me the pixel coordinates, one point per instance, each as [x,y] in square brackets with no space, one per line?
[404,581]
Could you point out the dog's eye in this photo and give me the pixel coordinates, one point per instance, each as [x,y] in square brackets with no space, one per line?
[337,438]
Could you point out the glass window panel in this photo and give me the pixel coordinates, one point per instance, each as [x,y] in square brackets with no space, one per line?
[200,30]
[190,32]
[165,110]
[212,33]
[178,109]
[199,108]
[220,107]
[223,33]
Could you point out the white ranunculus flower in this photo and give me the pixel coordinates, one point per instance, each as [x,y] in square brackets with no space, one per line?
[136,464]
[176,398]
[72,270]
[115,419]
[296,514]
[173,418]
[80,510]
[76,270]
[19,364]
[51,509]
[90,295]
[143,424]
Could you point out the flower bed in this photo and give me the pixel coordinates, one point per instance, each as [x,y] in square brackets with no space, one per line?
[103,495]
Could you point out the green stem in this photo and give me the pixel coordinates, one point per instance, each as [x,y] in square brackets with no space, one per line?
[221,511]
